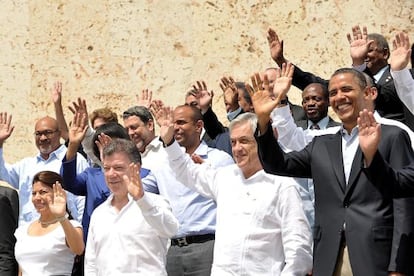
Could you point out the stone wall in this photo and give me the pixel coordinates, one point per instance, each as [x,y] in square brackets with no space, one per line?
[107,51]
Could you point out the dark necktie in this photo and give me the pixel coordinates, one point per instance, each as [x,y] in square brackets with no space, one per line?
[314,126]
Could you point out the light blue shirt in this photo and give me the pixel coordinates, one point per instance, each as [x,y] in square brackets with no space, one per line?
[20,176]
[195,213]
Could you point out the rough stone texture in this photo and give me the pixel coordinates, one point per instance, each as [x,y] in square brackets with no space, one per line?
[107,51]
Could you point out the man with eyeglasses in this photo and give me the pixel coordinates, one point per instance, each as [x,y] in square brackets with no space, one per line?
[51,153]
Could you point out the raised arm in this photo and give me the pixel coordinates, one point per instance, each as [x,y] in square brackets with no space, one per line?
[77,133]
[359,45]
[157,212]
[403,79]
[57,206]
[57,103]
[264,101]
[6,128]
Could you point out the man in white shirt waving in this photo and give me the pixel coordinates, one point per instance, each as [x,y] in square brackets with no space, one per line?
[261,227]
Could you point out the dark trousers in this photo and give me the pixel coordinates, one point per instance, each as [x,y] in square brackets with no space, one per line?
[191,260]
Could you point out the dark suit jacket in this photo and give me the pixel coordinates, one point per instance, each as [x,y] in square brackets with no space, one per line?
[366,208]
[9,214]
[388,104]
[304,123]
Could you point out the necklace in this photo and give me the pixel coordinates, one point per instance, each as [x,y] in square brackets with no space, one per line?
[49,222]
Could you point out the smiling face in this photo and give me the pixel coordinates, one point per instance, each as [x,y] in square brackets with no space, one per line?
[244,148]
[139,132]
[42,194]
[376,57]
[116,166]
[47,136]
[187,128]
[347,98]
[315,102]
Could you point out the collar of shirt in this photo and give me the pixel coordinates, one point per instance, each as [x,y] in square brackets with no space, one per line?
[202,150]
[154,145]
[59,154]
[323,123]
[347,137]
[378,75]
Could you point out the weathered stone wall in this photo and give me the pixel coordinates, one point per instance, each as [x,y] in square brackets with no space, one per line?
[107,51]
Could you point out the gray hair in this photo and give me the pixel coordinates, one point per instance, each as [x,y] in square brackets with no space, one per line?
[248,117]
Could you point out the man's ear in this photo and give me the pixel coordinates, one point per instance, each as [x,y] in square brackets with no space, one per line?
[371,93]
[151,125]
[199,125]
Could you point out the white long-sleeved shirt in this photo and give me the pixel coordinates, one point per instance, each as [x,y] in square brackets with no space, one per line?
[132,241]
[261,228]
[404,85]
[293,138]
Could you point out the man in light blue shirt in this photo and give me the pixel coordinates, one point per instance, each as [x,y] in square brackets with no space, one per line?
[51,153]
[191,249]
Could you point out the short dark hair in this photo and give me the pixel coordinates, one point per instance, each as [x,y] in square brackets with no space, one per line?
[125,146]
[362,82]
[140,111]
[48,178]
[242,86]
[113,130]
[195,112]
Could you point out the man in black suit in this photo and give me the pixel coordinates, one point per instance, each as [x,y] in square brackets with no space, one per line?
[9,214]
[369,53]
[351,212]
[315,103]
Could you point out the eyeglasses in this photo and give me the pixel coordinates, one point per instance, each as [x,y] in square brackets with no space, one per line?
[47,133]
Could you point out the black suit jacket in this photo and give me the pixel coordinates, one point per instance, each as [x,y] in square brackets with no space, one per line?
[373,233]
[304,123]
[388,104]
[9,214]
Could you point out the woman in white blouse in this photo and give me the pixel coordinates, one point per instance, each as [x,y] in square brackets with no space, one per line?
[47,246]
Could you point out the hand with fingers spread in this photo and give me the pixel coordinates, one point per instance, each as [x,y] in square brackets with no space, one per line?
[359,44]
[133,182]
[156,108]
[57,93]
[80,107]
[6,129]
[401,52]
[369,134]
[204,97]
[57,204]
[56,96]
[78,128]
[276,47]
[228,85]
[145,98]
[165,119]
[102,142]
[264,101]
[283,80]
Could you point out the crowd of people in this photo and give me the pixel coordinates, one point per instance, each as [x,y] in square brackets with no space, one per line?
[283,190]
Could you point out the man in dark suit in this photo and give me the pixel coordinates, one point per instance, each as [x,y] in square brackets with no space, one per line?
[315,103]
[369,53]
[352,214]
[9,214]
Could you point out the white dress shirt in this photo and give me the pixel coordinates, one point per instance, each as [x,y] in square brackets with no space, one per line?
[404,85]
[261,228]
[195,213]
[132,241]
